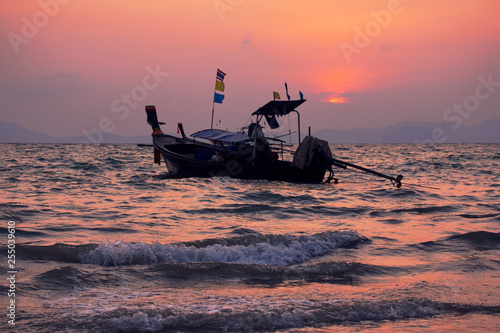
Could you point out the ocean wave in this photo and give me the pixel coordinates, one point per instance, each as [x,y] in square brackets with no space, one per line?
[479,216]
[81,277]
[427,209]
[23,233]
[477,240]
[277,198]
[56,252]
[64,278]
[251,316]
[259,274]
[248,249]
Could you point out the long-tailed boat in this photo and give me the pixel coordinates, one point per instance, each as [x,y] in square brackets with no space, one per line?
[249,155]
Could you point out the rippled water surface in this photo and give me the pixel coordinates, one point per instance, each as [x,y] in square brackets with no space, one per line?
[107,241]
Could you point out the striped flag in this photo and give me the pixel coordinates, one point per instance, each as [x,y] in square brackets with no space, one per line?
[220,75]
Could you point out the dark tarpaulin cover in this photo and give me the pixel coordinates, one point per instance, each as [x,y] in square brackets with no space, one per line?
[311,149]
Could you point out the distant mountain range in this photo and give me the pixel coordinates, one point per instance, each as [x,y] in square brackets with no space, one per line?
[405,132]
[417,132]
[15,133]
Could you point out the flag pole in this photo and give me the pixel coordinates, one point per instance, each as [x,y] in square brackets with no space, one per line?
[212,123]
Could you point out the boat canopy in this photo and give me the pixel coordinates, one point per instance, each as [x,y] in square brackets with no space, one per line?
[220,135]
[278,108]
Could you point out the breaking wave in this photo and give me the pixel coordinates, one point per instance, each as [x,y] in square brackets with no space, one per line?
[299,313]
[248,249]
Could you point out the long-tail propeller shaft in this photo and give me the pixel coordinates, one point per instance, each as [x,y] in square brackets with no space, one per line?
[396,181]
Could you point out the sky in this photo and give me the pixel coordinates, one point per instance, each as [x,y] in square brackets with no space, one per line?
[69,67]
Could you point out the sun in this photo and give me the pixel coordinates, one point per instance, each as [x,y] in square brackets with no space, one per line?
[337,100]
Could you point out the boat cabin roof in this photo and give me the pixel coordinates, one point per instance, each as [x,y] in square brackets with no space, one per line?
[222,136]
[278,108]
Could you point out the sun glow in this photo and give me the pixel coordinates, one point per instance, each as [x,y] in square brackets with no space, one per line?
[337,100]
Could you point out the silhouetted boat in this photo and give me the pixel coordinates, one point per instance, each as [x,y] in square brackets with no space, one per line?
[250,155]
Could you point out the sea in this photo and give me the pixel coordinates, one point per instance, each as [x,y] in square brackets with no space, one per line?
[98,238]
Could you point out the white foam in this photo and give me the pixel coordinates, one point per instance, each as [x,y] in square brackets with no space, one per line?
[138,322]
[251,316]
[287,250]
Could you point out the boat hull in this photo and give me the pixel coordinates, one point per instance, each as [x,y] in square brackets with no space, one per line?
[185,164]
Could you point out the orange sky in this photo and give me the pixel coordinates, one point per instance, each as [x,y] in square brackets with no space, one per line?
[418,61]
